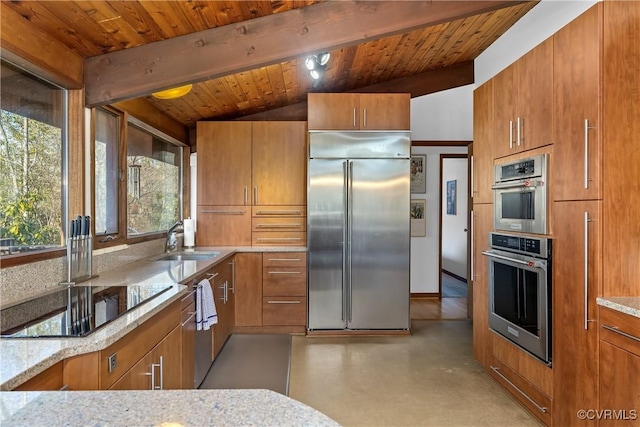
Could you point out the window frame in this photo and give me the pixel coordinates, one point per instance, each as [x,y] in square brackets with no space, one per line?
[70,104]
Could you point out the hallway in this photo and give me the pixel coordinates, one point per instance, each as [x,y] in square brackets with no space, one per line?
[427,379]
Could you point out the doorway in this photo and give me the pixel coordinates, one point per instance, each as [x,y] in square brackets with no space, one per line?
[454,231]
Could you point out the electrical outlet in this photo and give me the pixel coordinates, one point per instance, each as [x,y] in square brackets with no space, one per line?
[113,361]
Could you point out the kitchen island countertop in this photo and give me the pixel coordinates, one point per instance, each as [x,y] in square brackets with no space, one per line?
[157,408]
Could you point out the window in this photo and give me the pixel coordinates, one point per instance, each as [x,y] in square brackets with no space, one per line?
[33,198]
[154,168]
[138,195]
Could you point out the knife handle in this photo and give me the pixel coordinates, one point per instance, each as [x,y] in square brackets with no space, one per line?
[73,228]
[87,226]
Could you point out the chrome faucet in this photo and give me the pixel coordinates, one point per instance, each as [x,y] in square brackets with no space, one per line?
[171,242]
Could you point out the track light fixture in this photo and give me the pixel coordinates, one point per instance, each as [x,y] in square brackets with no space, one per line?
[316,64]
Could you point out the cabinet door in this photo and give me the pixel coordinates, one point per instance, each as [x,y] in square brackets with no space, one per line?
[224,163]
[170,349]
[224,226]
[279,158]
[576,246]
[482,160]
[481,225]
[385,111]
[535,97]
[219,329]
[248,289]
[576,64]
[619,373]
[504,112]
[333,111]
[188,326]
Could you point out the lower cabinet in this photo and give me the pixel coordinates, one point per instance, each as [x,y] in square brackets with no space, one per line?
[157,370]
[50,379]
[224,295]
[188,327]
[248,289]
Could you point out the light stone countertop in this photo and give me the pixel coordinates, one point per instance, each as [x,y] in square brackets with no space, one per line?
[157,408]
[24,358]
[627,305]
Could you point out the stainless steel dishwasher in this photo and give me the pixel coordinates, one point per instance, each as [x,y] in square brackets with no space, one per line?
[203,352]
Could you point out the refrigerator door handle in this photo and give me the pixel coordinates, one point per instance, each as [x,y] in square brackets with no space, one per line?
[345,201]
[349,233]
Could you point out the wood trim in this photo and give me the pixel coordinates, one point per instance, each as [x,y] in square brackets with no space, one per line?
[135,72]
[146,112]
[440,143]
[32,49]
[425,295]
[360,332]
[7,261]
[455,276]
[76,159]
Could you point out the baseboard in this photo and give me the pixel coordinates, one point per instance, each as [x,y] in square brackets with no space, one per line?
[455,276]
[425,294]
[361,332]
[292,330]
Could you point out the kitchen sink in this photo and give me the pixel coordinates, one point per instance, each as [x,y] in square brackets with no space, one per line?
[188,256]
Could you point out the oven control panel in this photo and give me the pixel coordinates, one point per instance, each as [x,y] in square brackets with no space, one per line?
[536,246]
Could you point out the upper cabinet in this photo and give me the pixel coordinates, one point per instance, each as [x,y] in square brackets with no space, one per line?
[576,113]
[354,111]
[523,102]
[482,159]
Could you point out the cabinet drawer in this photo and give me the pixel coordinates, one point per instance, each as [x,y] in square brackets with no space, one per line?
[620,329]
[284,311]
[284,259]
[281,211]
[133,346]
[279,238]
[284,281]
[223,226]
[278,224]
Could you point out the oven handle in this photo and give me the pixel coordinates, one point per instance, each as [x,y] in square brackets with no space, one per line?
[530,183]
[517,261]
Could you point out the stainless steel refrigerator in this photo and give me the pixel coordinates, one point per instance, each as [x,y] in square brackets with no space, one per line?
[358,232]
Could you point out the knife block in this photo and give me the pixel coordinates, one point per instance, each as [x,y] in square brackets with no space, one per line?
[79,258]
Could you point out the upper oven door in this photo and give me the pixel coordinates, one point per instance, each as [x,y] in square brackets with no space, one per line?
[520,206]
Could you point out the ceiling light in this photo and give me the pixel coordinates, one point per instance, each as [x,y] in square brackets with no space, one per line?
[310,63]
[323,58]
[315,74]
[172,93]
[316,64]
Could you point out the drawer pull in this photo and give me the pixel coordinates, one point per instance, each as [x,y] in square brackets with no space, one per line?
[212,275]
[618,331]
[192,313]
[284,272]
[223,212]
[280,212]
[285,259]
[540,408]
[188,296]
[278,226]
[280,239]
[283,302]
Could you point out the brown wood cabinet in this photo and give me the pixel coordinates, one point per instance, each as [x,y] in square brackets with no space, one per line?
[619,368]
[160,369]
[284,288]
[576,107]
[523,102]
[266,169]
[482,224]
[188,325]
[483,142]
[577,247]
[224,295]
[47,380]
[353,111]
[248,288]
[279,226]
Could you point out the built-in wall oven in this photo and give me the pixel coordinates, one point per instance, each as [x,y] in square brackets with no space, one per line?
[520,291]
[520,195]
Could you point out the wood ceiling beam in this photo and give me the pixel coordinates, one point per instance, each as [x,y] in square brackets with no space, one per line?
[417,85]
[205,55]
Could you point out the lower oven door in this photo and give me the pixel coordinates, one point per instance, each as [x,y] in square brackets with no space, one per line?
[519,301]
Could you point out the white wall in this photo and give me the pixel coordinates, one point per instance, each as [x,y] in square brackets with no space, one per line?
[443,116]
[425,251]
[454,236]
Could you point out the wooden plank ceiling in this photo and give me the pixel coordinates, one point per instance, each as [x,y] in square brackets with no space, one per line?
[417,60]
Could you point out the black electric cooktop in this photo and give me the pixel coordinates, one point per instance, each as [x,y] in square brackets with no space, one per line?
[75,311]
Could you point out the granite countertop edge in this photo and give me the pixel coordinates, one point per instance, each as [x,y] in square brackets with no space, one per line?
[626,305]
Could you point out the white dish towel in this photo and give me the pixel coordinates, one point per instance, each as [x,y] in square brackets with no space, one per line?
[206,314]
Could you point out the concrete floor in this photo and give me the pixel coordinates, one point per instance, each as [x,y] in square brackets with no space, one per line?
[427,379]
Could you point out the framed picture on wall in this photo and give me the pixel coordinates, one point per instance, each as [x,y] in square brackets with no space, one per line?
[418,173]
[451,197]
[418,217]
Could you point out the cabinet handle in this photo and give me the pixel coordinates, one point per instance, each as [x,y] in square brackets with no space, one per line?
[618,331]
[255,195]
[364,117]
[278,226]
[246,195]
[586,271]
[279,212]
[188,296]
[284,259]
[518,132]
[283,302]
[223,212]
[233,275]
[284,272]
[64,387]
[472,244]
[161,366]
[212,275]
[586,152]
[224,292]
[473,189]
[354,117]
[192,313]
[510,134]
[526,396]
[280,239]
